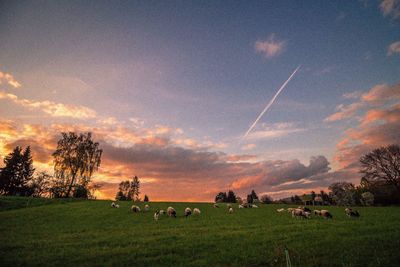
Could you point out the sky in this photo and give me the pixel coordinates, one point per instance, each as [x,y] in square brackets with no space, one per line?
[169,88]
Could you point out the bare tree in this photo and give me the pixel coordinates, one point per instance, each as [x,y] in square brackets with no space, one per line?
[382,164]
[75,160]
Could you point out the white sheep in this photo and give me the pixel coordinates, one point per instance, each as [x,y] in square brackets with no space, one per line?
[156,215]
[326,214]
[280,210]
[113,205]
[171,212]
[289,210]
[196,211]
[317,212]
[241,206]
[117,206]
[146,207]
[135,208]
[162,212]
[188,212]
[254,206]
[230,210]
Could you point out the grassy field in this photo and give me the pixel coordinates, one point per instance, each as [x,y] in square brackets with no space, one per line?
[91,233]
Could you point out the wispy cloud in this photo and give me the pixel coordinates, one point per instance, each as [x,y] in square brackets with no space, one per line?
[9,79]
[51,108]
[378,94]
[394,48]
[270,47]
[275,130]
[390,8]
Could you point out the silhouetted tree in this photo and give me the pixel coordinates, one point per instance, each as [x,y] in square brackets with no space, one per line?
[231,197]
[146,198]
[297,200]
[343,194]
[125,191]
[120,196]
[266,199]
[252,197]
[325,197]
[17,172]
[313,196]
[41,184]
[135,188]
[221,197]
[382,164]
[76,158]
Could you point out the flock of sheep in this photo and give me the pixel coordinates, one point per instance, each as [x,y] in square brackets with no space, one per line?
[171,212]
[301,211]
[305,212]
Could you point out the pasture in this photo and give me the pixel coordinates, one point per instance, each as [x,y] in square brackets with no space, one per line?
[91,233]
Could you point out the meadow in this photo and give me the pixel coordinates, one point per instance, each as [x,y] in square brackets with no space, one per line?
[91,233]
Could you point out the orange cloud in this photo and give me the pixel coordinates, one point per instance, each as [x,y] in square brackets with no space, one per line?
[52,108]
[9,79]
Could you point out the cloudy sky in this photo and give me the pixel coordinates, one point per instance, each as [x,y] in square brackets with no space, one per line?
[169,88]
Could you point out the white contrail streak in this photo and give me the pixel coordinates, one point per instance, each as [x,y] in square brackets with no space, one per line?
[270,102]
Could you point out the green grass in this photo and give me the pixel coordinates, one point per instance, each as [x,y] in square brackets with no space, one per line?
[91,233]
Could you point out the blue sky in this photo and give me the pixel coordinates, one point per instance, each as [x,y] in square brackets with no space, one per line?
[195,67]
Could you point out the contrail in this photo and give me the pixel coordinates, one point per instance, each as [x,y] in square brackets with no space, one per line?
[270,102]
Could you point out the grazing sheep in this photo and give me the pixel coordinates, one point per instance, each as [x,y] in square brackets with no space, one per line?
[317,212]
[188,212]
[241,206]
[146,207]
[300,213]
[254,206]
[117,206]
[171,212]
[156,215]
[304,208]
[326,214]
[113,205]
[280,210]
[162,212]
[230,210]
[196,211]
[216,205]
[135,208]
[352,213]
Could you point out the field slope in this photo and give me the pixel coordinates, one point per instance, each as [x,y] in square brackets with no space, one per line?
[91,233]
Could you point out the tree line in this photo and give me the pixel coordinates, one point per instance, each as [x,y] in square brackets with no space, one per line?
[76,158]
[379,185]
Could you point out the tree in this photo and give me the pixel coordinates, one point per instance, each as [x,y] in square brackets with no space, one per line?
[313,195]
[266,199]
[76,158]
[17,172]
[231,197]
[325,197]
[297,200]
[221,197]
[343,193]
[367,198]
[146,198]
[41,184]
[125,192]
[120,196]
[382,164]
[135,187]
